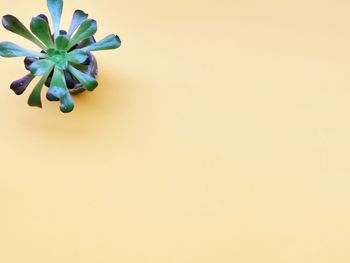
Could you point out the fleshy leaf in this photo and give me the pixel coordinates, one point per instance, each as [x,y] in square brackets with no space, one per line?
[48,23]
[77,56]
[41,66]
[79,17]
[12,24]
[86,30]
[57,86]
[41,29]
[9,49]
[55,8]
[109,42]
[20,85]
[61,42]
[87,42]
[86,80]
[28,61]
[55,93]
[43,16]
[35,97]
[58,57]
[67,103]
[58,91]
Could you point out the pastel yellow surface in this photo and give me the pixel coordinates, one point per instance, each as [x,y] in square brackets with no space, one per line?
[219,133]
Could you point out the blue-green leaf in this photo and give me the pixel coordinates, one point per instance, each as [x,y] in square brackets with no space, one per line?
[86,30]
[77,56]
[67,103]
[12,24]
[35,97]
[41,29]
[61,42]
[58,57]
[86,80]
[41,66]
[55,8]
[20,85]
[57,86]
[55,93]
[109,42]
[58,91]
[9,49]
[79,17]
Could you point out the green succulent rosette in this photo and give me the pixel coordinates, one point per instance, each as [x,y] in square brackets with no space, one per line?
[65,63]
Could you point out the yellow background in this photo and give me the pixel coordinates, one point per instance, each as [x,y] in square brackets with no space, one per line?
[220,132]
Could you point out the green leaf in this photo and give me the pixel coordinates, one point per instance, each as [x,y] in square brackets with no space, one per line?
[35,97]
[44,17]
[41,66]
[12,24]
[79,17]
[61,42]
[88,82]
[55,93]
[57,86]
[109,42]
[9,49]
[67,103]
[77,56]
[48,23]
[86,30]
[58,57]
[41,29]
[20,85]
[55,8]
[58,91]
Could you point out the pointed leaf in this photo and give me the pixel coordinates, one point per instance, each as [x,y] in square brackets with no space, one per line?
[41,66]
[79,17]
[35,97]
[41,29]
[109,42]
[12,24]
[20,85]
[77,56]
[9,49]
[61,42]
[55,8]
[86,30]
[86,80]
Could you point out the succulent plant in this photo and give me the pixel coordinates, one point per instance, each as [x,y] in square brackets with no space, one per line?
[65,63]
